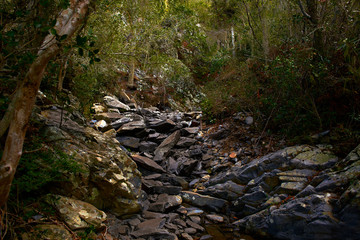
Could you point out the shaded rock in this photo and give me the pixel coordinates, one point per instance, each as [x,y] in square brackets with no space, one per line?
[187,166]
[249,120]
[118,123]
[153,215]
[186,235]
[291,188]
[165,202]
[47,231]
[292,219]
[189,131]
[229,190]
[58,117]
[197,152]
[199,200]
[131,127]
[108,116]
[162,126]
[243,174]
[185,142]
[151,224]
[77,214]
[154,233]
[147,146]
[220,134]
[112,102]
[163,150]
[253,199]
[190,230]
[195,225]
[130,142]
[147,163]
[172,190]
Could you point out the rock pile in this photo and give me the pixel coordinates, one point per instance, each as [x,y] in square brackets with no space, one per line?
[189,190]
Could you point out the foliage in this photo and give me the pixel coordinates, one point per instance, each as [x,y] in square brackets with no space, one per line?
[40,166]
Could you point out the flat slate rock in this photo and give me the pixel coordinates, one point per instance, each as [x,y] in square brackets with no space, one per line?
[195,199]
[148,163]
[163,150]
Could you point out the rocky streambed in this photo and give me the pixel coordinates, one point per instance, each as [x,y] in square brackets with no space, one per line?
[182,187]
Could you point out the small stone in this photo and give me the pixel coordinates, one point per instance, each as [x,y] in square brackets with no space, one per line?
[195,225]
[190,230]
[195,219]
[215,218]
[195,212]
[249,120]
[186,235]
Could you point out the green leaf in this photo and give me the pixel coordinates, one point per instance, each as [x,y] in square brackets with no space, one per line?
[63,37]
[64,4]
[53,32]
[81,52]
[80,41]
[44,3]
[92,61]
[96,51]
[97,59]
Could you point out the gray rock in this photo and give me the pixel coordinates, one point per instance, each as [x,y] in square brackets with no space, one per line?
[199,200]
[249,120]
[112,102]
[172,190]
[151,224]
[163,150]
[162,126]
[186,235]
[147,146]
[195,225]
[229,191]
[185,142]
[118,123]
[290,220]
[147,163]
[215,218]
[154,233]
[130,127]
[165,202]
[130,142]
[189,131]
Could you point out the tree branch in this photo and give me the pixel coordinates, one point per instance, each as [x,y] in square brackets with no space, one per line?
[303,11]
[69,21]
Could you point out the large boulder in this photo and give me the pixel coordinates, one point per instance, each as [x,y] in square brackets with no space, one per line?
[75,213]
[108,179]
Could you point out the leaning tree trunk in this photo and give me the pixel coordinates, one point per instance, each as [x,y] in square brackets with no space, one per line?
[68,22]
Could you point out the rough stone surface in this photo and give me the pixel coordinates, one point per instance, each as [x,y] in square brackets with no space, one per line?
[77,214]
[47,231]
[112,102]
[162,151]
[199,200]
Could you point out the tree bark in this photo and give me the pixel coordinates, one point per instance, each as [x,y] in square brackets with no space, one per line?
[23,102]
[131,83]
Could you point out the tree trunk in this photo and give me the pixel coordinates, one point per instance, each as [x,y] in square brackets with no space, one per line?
[23,102]
[131,78]
[233,41]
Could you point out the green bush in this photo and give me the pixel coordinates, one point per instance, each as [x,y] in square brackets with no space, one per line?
[40,166]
